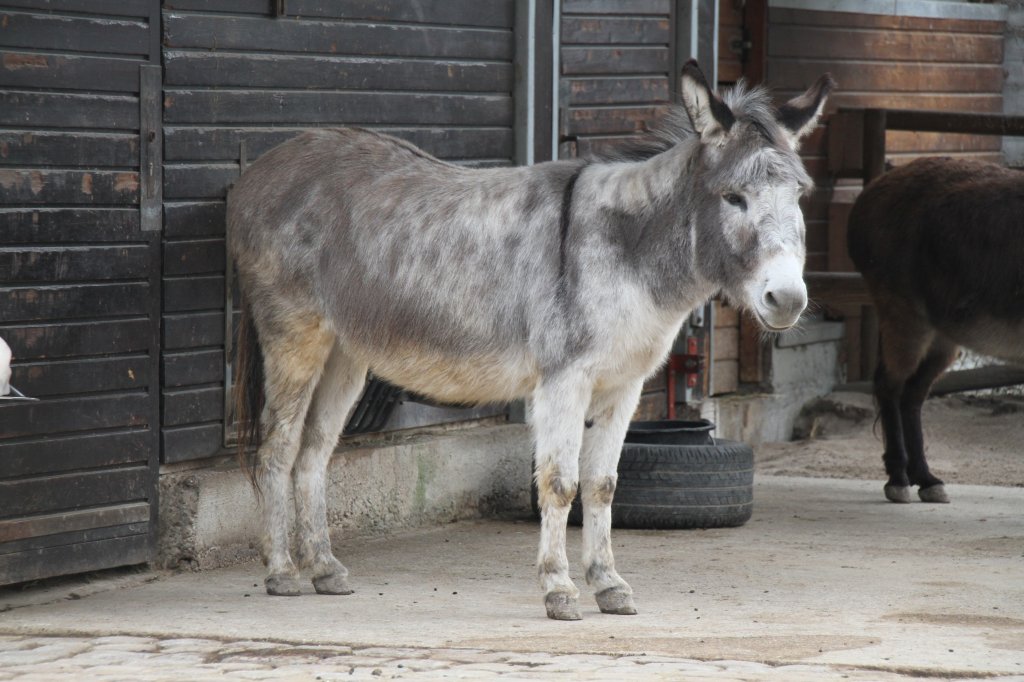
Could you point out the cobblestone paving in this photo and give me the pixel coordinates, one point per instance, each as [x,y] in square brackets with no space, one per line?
[143,659]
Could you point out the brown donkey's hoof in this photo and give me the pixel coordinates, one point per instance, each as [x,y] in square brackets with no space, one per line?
[283,585]
[935,493]
[332,583]
[616,600]
[897,493]
[562,606]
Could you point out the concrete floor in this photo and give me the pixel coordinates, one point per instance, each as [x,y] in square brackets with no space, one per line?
[825,574]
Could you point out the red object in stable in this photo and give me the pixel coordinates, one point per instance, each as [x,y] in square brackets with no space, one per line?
[688,364]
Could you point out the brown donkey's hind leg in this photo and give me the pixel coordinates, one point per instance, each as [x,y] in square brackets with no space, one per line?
[295,349]
[904,339]
[337,392]
[940,355]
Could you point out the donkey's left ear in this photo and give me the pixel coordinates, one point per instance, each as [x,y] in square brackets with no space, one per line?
[800,115]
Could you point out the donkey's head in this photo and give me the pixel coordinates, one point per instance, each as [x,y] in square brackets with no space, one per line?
[749,227]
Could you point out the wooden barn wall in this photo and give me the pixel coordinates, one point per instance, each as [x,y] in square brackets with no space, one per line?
[437,72]
[79,284]
[899,62]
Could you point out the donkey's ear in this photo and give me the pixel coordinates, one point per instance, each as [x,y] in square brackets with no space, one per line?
[709,115]
[800,115]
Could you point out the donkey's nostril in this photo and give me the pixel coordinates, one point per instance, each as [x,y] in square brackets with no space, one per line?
[770,300]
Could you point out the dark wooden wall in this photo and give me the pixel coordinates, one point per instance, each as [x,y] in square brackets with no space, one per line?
[436,72]
[79,285]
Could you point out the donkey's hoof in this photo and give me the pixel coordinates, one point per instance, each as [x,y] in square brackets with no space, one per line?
[897,493]
[616,600]
[283,585]
[332,583]
[934,493]
[562,606]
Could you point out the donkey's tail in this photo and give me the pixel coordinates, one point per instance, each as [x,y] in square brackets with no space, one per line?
[248,396]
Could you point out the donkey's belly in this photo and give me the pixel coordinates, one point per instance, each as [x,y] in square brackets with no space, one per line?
[998,338]
[471,379]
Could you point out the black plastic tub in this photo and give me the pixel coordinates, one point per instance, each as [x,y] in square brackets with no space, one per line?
[671,432]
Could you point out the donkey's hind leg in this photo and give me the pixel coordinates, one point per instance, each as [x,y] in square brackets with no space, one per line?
[337,392]
[606,425]
[904,339]
[557,413]
[294,352]
[940,356]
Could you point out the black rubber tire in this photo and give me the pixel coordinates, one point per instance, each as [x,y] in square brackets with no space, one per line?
[680,486]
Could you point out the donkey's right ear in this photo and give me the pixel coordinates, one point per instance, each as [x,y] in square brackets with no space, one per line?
[710,116]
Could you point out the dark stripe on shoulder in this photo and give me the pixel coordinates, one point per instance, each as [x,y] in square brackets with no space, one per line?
[570,185]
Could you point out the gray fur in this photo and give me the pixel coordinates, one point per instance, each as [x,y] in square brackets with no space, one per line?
[460,284]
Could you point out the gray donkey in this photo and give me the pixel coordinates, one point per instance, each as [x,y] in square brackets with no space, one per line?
[563,283]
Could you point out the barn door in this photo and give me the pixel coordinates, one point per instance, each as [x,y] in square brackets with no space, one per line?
[80,163]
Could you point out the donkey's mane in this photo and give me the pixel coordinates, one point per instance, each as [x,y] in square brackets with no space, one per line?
[751,105]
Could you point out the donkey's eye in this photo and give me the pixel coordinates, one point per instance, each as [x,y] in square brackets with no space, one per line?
[735,200]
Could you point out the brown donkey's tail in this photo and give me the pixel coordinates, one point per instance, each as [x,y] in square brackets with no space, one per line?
[248,396]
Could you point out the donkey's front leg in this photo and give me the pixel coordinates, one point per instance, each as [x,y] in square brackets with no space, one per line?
[606,425]
[559,404]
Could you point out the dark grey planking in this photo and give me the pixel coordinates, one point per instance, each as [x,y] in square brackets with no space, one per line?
[71,263]
[48,186]
[81,375]
[193,330]
[74,557]
[119,8]
[44,531]
[615,60]
[624,90]
[195,181]
[219,143]
[291,107]
[43,225]
[67,491]
[616,6]
[194,257]
[185,443]
[66,339]
[53,302]
[193,218]
[68,110]
[605,30]
[63,148]
[73,33]
[192,405]
[333,72]
[68,415]
[203,292]
[54,454]
[331,37]
[68,72]
[193,367]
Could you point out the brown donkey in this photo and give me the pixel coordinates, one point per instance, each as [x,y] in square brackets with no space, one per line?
[940,243]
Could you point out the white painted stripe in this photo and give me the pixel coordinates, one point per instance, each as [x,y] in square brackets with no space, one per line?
[931,9]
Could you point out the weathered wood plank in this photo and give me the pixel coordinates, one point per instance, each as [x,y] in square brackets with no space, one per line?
[609,120]
[68,225]
[68,110]
[45,186]
[67,415]
[198,181]
[614,60]
[73,34]
[222,144]
[194,257]
[182,294]
[294,107]
[123,8]
[193,405]
[43,379]
[608,30]
[616,6]
[910,77]
[899,141]
[12,530]
[53,148]
[193,330]
[883,45]
[193,218]
[67,339]
[969,102]
[617,90]
[190,368]
[53,454]
[69,72]
[73,301]
[484,13]
[75,557]
[779,16]
[184,443]
[332,37]
[73,263]
[333,72]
